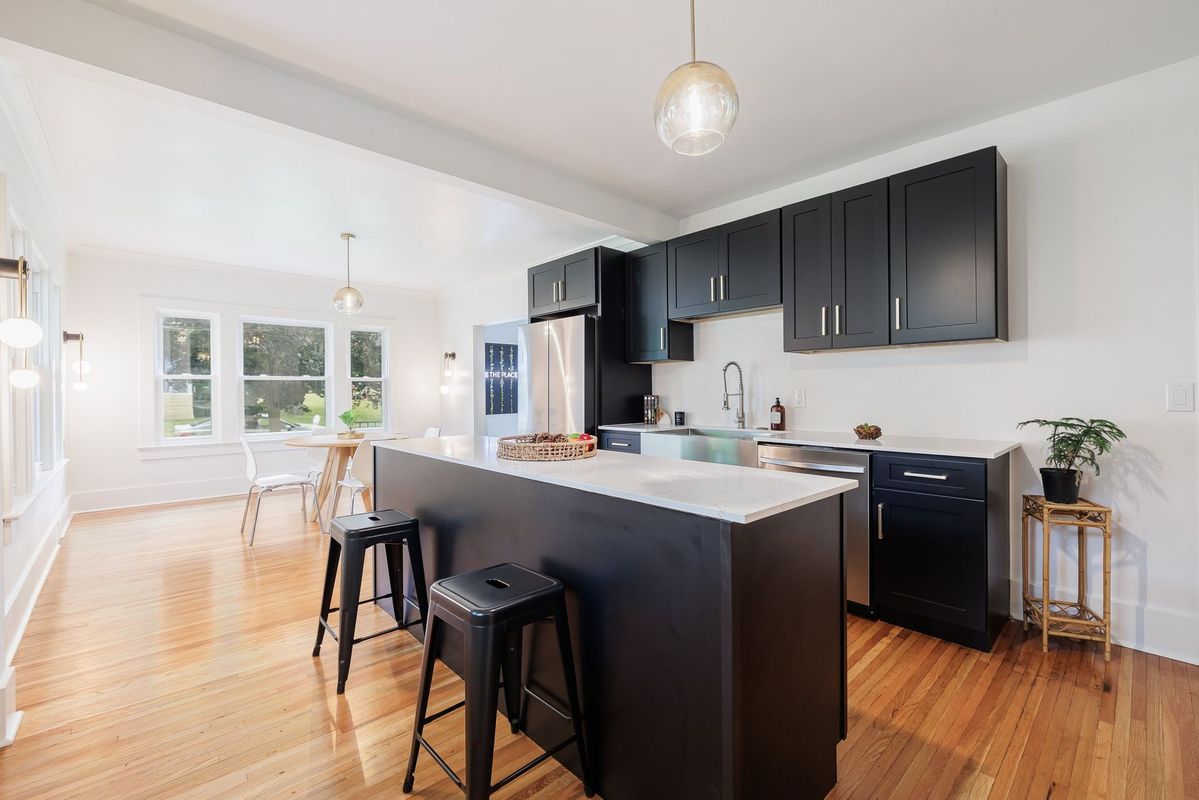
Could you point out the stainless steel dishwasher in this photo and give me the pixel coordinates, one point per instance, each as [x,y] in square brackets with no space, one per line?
[855,519]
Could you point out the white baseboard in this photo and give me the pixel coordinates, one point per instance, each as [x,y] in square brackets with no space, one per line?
[155,494]
[19,604]
[1160,631]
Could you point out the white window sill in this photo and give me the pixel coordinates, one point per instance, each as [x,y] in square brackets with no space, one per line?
[196,447]
[43,478]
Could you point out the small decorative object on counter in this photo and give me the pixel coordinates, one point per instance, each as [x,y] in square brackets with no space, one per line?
[652,407]
[868,431]
[680,418]
[778,416]
[1073,443]
[547,447]
[349,418]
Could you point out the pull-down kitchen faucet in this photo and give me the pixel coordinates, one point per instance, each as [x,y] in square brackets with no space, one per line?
[740,392]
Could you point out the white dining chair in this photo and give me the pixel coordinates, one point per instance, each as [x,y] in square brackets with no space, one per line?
[432,433]
[265,484]
[360,481]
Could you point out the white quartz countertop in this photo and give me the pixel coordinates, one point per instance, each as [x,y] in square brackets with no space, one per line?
[720,491]
[921,445]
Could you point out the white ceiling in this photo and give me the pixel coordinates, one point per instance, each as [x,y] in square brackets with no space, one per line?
[822,83]
[143,175]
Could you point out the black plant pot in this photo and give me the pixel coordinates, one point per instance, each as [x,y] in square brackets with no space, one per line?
[1061,485]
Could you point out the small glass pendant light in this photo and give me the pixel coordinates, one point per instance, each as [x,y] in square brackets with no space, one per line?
[347,299]
[20,332]
[696,106]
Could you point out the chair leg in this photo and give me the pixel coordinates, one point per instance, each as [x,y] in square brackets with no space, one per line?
[432,629]
[327,593]
[257,508]
[394,553]
[304,501]
[245,512]
[353,561]
[572,692]
[332,507]
[513,677]
[353,497]
[482,694]
[316,501]
[416,563]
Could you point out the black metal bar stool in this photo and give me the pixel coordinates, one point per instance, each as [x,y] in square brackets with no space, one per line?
[491,607]
[355,534]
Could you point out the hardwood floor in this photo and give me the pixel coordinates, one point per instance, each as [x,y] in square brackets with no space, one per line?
[166,660]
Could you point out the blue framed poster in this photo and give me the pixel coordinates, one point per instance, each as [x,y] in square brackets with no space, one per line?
[499,378]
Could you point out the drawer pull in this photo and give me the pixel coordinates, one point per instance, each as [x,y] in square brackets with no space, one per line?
[618,444]
[928,475]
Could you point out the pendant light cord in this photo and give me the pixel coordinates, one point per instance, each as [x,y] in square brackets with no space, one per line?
[693,31]
[347,261]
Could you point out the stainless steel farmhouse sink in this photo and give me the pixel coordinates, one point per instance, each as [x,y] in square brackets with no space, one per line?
[705,444]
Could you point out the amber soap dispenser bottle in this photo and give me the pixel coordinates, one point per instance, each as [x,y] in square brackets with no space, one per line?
[778,416]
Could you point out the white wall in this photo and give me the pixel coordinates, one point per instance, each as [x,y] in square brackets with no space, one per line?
[1103,292]
[112,299]
[36,519]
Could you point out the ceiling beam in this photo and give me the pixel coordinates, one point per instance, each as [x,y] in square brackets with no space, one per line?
[78,31]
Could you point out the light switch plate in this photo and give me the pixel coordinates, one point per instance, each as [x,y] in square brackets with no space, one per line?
[1180,397]
[801,399]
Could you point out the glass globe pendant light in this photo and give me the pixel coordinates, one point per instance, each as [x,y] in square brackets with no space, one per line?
[696,106]
[81,366]
[347,299]
[20,332]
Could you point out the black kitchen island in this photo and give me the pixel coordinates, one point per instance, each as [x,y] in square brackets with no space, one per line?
[706,602]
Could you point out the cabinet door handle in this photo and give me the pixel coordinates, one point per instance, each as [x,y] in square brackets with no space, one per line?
[722,297]
[661,338]
[896,313]
[555,291]
[928,475]
[824,320]
[879,513]
[562,289]
[837,319]
[712,289]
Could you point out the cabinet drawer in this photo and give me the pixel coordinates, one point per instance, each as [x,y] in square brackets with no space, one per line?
[950,477]
[620,442]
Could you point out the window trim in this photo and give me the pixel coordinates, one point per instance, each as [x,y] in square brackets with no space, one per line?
[242,377]
[214,346]
[382,380]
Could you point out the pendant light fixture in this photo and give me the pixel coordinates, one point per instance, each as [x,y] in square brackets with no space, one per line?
[347,299]
[79,366]
[696,106]
[19,332]
[446,371]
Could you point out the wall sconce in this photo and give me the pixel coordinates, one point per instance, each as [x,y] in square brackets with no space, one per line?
[80,367]
[446,372]
[19,332]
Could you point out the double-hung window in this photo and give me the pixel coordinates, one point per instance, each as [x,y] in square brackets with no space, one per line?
[185,370]
[367,374]
[283,376]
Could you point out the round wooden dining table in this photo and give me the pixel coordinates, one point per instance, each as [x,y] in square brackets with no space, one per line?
[337,459]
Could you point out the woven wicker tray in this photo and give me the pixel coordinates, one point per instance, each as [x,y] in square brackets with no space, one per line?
[514,450]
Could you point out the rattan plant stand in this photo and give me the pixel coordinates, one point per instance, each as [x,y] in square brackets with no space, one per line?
[1072,619]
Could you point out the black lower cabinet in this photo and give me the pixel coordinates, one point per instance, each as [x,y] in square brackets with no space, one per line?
[940,562]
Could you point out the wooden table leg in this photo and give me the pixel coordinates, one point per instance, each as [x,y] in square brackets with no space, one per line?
[1107,590]
[322,486]
[1045,581]
[1024,591]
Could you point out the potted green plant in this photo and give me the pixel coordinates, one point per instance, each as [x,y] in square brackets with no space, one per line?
[1073,443]
[349,418]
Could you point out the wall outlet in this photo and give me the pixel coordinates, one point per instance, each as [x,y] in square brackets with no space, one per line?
[1180,397]
[801,399]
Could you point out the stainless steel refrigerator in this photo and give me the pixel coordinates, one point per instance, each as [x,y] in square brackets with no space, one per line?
[573,376]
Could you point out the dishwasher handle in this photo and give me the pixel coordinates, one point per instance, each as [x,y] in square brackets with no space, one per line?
[812,465]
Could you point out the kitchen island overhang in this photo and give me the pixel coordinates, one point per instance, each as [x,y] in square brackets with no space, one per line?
[706,601]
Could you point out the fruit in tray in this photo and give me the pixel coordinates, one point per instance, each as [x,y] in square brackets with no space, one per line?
[868,431]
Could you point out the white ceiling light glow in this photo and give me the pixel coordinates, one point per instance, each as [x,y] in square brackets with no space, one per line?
[696,106]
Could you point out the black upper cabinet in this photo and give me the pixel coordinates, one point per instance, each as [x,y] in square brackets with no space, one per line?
[835,270]
[949,250]
[693,271]
[733,267]
[749,260]
[564,284]
[651,335]
[807,275]
[930,559]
